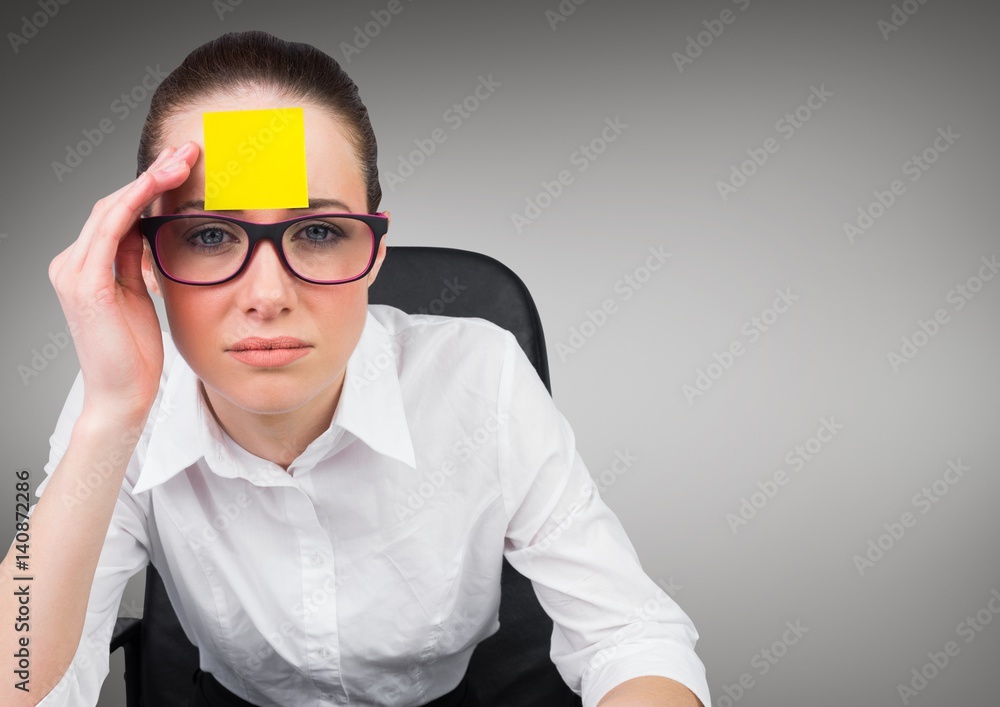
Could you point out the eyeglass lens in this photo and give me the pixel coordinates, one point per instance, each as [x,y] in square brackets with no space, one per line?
[203,249]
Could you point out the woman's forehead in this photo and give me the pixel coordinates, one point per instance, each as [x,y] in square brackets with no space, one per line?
[323,130]
[333,169]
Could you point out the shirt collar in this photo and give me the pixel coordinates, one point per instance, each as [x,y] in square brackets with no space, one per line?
[371,403]
[370,407]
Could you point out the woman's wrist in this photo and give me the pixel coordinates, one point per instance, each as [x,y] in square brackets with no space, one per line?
[105,422]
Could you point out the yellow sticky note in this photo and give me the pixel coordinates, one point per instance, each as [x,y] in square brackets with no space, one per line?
[255,159]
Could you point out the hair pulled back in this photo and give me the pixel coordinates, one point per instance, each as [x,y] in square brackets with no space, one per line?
[238,62]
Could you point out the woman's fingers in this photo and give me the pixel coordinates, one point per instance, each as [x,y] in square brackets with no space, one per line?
[128,259]
[128,264]
[140,184]
[77,251]
[98,280]
[84,274]
[122,215]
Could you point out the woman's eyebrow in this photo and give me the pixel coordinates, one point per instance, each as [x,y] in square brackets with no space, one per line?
[314,204]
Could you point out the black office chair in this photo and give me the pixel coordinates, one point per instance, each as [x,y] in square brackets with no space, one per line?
[511,668]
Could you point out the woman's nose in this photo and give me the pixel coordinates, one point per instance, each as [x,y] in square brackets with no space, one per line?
[266,284]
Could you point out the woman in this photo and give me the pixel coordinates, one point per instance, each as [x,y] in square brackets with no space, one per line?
[268,470]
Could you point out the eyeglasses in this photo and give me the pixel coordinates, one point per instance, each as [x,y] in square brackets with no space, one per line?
[324,249]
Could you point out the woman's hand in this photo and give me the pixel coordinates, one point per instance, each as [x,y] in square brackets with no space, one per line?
[111,317]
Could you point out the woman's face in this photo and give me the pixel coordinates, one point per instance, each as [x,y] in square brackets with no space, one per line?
[266,300]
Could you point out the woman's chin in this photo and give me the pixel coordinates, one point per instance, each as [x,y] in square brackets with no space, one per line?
[264,397]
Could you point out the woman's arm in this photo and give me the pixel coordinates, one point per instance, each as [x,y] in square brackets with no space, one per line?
[650,691]
[612,623]
[66,537]
[116,334]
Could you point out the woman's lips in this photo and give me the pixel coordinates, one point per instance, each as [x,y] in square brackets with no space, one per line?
[269,353]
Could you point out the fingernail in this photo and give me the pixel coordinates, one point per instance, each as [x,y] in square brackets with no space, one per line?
[172,166]
[160,157]
[174,163]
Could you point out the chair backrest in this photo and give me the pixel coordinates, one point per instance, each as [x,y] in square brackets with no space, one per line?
[511,667]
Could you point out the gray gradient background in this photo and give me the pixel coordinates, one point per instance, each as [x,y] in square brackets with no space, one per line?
[654,186]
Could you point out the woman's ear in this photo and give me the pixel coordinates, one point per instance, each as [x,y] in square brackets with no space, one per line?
[379,257]
[149,273]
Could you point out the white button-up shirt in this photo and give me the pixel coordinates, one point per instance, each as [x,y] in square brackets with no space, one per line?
[367,573]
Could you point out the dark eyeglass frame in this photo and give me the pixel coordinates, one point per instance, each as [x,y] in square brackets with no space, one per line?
[378,224]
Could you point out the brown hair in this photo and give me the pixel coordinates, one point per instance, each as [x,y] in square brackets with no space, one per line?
[238,61]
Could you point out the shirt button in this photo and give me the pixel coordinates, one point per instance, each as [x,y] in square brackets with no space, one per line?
[324,652]
[317,559]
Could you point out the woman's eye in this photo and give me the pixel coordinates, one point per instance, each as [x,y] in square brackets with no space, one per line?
[208,237]
[321,233]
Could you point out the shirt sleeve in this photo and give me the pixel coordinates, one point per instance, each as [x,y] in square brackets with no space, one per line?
[125,552]
[611,620]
